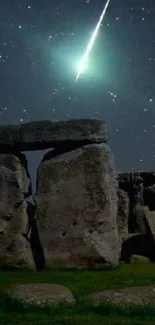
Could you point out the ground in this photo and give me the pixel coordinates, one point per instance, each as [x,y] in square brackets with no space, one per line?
[80,283]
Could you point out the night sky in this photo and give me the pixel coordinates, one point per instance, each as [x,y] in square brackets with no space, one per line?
[41,42]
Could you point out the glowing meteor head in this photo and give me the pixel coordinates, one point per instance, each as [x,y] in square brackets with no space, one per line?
[82,66]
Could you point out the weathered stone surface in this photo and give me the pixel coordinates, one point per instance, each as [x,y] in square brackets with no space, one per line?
[17,253]
[42,294]
[139,187]
[14,224]
[150,220]
[139,223]
[145,220]
[123,212]
[15,167]
[49,134]
[76,207]
[14,185]
[131,296]
[122,216]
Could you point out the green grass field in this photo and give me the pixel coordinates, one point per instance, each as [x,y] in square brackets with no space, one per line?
[81,283]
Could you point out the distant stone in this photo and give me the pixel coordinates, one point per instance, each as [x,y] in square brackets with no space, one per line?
[146,220]
[123,212]
[132,183]
[138,259]
[139,221]
[138,186]
[150,221]
[138,244]
[128,296]
[135,178]
[149,196]
[76,208]
[42,294]
[41,135]
[130,179]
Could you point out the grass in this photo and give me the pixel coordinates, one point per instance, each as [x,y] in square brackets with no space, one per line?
[13,312]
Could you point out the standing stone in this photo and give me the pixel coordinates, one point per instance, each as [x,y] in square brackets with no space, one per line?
[149,196]
[123,212]
[150,220]
[140,224]
[122,216]
[15,251]
[18,254]
[142,242]
[138,196]
[145,220]
[76,207]
[17,164]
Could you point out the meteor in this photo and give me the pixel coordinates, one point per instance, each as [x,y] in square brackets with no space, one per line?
[84,59]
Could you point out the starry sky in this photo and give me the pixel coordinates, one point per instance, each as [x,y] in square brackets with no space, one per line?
[41,43]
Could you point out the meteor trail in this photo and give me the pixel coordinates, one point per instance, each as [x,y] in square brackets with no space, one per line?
[92,40]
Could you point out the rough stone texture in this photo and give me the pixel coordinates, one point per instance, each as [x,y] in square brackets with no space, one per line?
[131,296]
[17,253]
[15,250]
[48,134]
[145,220]
[123,212]
[140,188]
[135,184]
[76,207]
[138,259]
[132,183]
[42,294]
[150,220]
[14,185]
[74,197]
[140,223]
[18,177]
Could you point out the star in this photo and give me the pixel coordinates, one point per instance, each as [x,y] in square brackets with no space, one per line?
[40,43]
